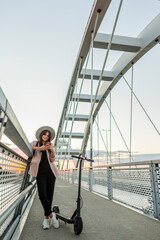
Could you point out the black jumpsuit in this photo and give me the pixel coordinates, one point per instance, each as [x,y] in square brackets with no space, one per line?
[45,184]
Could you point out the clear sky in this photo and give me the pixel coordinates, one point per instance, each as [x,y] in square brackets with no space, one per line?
[39,44]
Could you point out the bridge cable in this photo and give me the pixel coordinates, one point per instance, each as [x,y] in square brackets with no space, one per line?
[105,60]
[64,127]
[118,129]
[98,137]
[105,145]
[142,106]
[60,133]
[69,106]
[75,108]
[79,94]
[131,113]
[110,125]
[68,142]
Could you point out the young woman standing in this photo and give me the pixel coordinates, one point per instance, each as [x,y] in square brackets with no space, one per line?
[43,168]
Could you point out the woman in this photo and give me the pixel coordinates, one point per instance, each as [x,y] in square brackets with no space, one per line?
[43,168]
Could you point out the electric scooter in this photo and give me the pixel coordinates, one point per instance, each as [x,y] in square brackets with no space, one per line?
[75,219]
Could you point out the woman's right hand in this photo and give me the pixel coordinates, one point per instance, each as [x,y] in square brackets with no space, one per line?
[44,147]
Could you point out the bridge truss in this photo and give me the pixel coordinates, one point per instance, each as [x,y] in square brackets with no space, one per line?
[102,83]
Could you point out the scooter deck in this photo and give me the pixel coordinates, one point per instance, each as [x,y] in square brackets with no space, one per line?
[64,218]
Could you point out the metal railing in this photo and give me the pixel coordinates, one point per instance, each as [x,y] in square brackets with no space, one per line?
[15,189]
[134,184]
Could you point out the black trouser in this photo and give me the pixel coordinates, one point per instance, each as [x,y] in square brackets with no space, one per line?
[45,184]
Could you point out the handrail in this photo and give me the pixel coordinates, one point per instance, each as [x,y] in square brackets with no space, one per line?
[13,129]
[6,150]
[149,162]
[14,203]
[136,187]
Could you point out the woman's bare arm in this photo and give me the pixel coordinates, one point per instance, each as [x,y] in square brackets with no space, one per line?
[42,148]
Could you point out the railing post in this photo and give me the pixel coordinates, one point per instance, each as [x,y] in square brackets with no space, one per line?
[23,186]
[3,122]
[109,182]
[90,179]
[155,185]
[73,176]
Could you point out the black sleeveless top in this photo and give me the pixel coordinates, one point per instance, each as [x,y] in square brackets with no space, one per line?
[44,167]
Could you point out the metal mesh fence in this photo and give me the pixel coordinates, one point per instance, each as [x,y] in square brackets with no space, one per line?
[158,178]
[99,182]
[137,186]
[11,175]
[85,182]
[133,187]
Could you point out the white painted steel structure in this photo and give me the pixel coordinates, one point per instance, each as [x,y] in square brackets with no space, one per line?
[135,184]
[14,179]
[10,126]
[133,49]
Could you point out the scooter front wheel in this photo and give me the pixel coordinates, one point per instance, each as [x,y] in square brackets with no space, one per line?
[78,225]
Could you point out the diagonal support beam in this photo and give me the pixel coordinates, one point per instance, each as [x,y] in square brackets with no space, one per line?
[107,75]
[150,36]
[78,117]
[103,5]
[119,43]
[13,129]
[71,151]
[84,98]
[73,135]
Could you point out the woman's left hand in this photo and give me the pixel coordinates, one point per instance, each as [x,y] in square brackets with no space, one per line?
[50,147]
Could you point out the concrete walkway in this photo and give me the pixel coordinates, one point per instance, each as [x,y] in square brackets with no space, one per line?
[102,219]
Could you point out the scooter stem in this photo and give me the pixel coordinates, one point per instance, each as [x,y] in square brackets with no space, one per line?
[79,190]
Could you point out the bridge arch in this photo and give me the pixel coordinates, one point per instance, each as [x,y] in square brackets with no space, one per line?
[133,49]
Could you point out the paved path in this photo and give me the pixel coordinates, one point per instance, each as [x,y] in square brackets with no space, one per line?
[102,219]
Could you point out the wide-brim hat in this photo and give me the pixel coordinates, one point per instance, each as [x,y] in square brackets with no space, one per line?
[41,129]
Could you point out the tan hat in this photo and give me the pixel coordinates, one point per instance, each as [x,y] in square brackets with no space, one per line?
[41,129]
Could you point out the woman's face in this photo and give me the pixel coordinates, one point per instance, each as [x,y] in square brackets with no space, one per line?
[45,137]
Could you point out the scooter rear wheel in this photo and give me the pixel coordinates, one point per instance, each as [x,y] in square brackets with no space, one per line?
[78,225]
[56,209]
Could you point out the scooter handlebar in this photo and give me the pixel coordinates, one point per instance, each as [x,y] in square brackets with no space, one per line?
[83,158]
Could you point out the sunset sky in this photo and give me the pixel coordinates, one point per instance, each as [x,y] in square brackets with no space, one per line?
[39,44]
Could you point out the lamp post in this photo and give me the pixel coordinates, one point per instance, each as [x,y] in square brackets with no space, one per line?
[119,152]
[106,141]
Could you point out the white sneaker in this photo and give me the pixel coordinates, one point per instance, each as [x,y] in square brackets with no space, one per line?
[46,224]
[54,221]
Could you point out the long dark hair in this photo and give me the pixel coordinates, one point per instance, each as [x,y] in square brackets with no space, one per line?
[40,137]
[40,140]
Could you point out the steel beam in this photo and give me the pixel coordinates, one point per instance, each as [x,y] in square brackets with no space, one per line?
[62,157]
[83,51]
[73,135]
[149,37]
[72,151]
[107,75]
[13,129]
[77,117]
[119,43]
[84,98]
